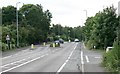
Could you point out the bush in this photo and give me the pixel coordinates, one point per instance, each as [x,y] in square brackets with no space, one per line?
[111,59]
[4,47]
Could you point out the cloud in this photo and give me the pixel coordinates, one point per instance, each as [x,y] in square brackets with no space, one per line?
[67,12]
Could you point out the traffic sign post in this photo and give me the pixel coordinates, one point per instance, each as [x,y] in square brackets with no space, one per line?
[8,41]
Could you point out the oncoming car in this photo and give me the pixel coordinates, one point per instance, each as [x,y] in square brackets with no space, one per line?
[76,40]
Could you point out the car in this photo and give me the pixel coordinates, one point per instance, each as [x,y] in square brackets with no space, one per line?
[108,49]
[57,41]
[76,40]
[61,41]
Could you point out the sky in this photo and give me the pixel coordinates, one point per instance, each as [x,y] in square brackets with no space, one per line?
[67,12]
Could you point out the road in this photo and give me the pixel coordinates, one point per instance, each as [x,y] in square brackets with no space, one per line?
[69,57]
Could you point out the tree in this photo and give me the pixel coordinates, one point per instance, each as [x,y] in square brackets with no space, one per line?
[8,15]
[100,29]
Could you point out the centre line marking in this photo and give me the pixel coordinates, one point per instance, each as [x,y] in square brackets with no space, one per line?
[82,62]
[59,70]
[87,59]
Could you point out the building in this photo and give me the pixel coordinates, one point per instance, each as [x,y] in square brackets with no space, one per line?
[119,8]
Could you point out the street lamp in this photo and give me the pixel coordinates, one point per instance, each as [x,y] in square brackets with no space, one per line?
[86,13]
[86,18]
[17,24]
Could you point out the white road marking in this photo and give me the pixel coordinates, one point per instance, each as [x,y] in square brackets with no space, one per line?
[7,57]
[87,59]
[5,67]
[59,70]
[24,63]
[97,57]
[82,61]
[13,63]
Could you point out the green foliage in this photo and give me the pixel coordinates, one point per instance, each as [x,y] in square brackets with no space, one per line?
[66,33]
[101,31]
[33,27]
[111,60]
[101,28]
[8,15]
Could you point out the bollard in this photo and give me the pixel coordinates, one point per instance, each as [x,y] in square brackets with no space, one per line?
[69,41]
[32,46]
[44,44]
[53,44]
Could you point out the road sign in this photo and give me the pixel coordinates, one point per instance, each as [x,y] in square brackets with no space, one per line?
[7,37]
[8,41]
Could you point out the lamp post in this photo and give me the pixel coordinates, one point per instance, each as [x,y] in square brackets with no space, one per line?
[17,24]
[86,18]
[86,13]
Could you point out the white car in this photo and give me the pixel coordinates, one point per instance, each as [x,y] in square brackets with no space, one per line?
[108,49]
[76,40]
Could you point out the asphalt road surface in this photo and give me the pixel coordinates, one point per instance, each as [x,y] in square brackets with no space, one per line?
[69,57]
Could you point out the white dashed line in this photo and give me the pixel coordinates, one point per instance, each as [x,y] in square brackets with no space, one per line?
[97,57]
[59,70]
[82,62]
[87,59]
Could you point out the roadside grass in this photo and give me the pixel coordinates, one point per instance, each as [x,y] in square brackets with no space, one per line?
[111,59]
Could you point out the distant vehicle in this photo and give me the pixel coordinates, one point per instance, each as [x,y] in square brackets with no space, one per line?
[76,40]
[108,49]
[61,41]
[57,41]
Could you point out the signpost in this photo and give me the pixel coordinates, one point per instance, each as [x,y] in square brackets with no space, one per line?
[8,41]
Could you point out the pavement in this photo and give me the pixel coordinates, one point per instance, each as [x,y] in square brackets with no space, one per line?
[69,57]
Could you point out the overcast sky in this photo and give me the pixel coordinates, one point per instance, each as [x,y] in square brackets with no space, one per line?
[67,12]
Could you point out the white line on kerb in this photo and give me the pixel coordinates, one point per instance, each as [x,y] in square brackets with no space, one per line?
[87,59]
[82,62]
[59,70]
[24,63]
[7,57]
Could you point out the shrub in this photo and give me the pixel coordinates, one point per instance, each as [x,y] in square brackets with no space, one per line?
[111,59]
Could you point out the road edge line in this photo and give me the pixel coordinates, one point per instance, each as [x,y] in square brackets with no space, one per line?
[82,62]
[87,59]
